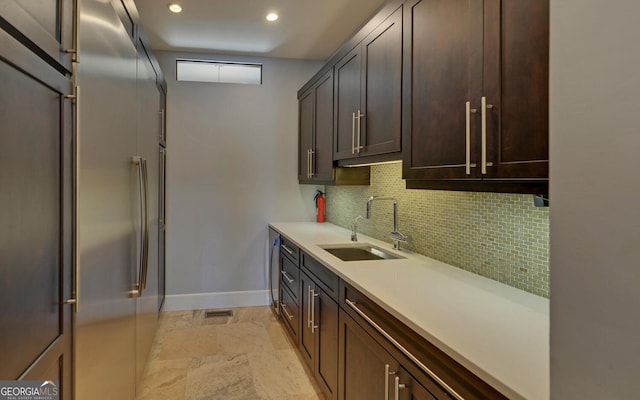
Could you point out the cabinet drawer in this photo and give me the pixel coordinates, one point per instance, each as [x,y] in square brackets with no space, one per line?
[290,250]
[411,350]
[290,313]
[290,274]
[322,276]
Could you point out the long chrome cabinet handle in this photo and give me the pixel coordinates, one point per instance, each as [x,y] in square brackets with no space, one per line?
[483,161]
[313,310]
[468,138]
[485,106]
[75,99]
[397,386]
[309,300]
[311,154]
[387,372]
[358,147]
[284,310]
[146,224]
[353,133]
[286,276]
[406,352]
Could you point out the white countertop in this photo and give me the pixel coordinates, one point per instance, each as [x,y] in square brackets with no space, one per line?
[499,333]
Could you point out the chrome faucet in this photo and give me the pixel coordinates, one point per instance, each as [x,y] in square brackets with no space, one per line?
[396,236]
[354,228]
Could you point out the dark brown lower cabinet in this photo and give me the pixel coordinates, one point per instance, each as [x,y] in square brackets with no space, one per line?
[423,370]
[368,371]
[357,350]
[290,313]
[319,335]
[364,365]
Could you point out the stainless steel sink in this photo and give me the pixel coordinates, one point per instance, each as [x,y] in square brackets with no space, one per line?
[359,252]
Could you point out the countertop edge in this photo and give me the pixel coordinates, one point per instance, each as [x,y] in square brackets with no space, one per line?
[492,380]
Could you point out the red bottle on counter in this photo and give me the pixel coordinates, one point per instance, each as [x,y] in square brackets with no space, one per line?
[319,206]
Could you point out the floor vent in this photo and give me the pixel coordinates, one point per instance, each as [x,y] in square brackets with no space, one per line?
[218,313]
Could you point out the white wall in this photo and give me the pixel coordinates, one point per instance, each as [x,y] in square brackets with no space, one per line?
[232,162]
[595,199]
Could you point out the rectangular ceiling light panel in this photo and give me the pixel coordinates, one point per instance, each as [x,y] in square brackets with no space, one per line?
[218,72]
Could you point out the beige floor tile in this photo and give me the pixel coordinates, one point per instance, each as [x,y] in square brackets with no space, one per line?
[243,337]
[199,341]
[313,396]
[170,321]
[278,374]
[224,377]
[165,380]
[248,356]
[278,336]
[254,314]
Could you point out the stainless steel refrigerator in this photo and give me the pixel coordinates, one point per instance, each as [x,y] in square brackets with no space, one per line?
[117,220]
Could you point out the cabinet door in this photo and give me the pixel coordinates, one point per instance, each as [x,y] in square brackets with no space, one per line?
[442,72]
[363,364]
[516,85]
[326,360]
[323,129]
[36,217]
[44,26]
[307,336]
[305,132]
[381,86]
[347,104]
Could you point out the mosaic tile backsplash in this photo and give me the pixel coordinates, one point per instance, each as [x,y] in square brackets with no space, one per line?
[503,237]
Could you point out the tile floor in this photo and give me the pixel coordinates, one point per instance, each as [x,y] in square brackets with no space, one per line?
[247,356]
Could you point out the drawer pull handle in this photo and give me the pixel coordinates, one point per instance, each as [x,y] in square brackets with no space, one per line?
[287,277]
[284,310]
[288,250]
[406,352]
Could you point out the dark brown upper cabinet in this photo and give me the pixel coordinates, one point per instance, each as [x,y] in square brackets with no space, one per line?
[315,161]
[316,131]
[368,96]
[475,98]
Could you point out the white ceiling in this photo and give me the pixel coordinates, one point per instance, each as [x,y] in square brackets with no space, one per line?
[306,29]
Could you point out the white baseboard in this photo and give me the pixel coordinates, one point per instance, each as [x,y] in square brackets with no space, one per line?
[201,301]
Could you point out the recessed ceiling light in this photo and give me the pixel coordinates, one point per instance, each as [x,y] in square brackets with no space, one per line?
[175,7]
[272,17]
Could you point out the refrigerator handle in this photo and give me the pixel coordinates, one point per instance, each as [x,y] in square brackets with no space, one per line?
[137,290]
[145,261]
[75,99]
